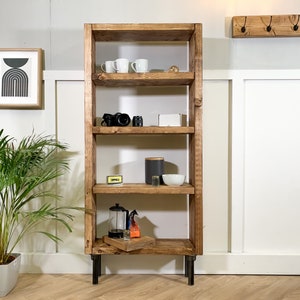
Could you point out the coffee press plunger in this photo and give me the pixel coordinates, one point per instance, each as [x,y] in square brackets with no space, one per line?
[117,221]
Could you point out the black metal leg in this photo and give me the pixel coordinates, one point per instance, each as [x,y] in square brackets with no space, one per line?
[188,262]
[96,267]
[189,268]
[186,266]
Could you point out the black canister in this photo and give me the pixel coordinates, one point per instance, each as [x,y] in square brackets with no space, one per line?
[154,166]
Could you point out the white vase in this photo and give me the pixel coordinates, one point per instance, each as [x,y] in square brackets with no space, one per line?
[9,275]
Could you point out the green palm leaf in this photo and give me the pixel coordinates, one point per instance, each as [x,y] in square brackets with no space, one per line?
[26,171]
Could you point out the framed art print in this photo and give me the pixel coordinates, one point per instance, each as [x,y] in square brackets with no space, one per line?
[21,78]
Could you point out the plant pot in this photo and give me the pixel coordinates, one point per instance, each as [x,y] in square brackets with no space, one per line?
[9,275]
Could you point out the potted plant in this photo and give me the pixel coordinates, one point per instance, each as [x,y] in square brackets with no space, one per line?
[26,198]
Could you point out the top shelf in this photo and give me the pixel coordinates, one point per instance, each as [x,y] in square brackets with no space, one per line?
[142,32]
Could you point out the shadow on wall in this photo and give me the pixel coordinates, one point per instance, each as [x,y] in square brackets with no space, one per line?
[70,187]
[142,264]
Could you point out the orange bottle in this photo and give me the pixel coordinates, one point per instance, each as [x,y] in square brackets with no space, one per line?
[134,227]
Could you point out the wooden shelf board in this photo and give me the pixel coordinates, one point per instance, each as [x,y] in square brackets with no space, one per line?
[143,79]
[257,26]
[143,130]
[142,188]
[130,245]
[162,246]
[142,32]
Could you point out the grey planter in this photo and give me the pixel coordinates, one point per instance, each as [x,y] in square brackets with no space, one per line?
[9,275]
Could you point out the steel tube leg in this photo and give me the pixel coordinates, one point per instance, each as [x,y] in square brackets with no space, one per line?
[190,268]
[186,266]
[96,267]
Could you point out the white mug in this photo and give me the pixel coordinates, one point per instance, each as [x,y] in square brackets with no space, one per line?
[121,65]
[108,67]
[140,65]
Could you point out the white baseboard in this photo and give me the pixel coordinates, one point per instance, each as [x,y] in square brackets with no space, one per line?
[275,264]
[55,263]
[223,263]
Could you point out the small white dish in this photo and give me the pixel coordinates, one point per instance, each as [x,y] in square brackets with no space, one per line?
[173,179]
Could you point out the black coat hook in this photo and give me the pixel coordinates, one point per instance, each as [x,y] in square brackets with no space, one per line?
[296,27]
[243,29]
[269,27]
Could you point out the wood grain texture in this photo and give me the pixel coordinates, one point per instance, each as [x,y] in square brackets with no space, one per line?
[162,246]
[192,35]
[144,79]
[142,188]
[265,26]
[143,32]
[195,141]
[145,130]
[132,244]
[156,287]
[89,109]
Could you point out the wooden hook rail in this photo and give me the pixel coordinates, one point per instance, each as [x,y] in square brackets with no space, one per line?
[266,26]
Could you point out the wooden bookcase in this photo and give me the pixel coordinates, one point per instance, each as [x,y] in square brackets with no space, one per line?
[192,34]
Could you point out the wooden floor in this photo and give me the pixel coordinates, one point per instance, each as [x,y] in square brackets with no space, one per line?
[137,287]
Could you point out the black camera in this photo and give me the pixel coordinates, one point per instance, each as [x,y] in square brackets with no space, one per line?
[117,119]
[137,121]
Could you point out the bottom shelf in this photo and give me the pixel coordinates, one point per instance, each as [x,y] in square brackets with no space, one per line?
[162,246]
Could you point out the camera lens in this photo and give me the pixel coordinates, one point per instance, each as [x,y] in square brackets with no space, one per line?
[122,119]
[137,121]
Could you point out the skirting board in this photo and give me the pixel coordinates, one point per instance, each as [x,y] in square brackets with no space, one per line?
[218,263]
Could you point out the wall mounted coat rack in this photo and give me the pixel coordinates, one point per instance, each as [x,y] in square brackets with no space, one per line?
[266,26]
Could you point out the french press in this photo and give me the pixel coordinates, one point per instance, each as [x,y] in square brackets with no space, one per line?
[117,221]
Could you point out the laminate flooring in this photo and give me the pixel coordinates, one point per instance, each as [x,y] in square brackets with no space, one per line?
[162,287]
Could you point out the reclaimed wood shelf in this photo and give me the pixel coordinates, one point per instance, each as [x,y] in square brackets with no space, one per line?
[131,244]
[266,26]
[142,188]
[163,32]
[143,130]
[162,246]
[189,34]
[143,79]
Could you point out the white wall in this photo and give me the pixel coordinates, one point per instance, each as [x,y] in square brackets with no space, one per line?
[57,27]
[250,160]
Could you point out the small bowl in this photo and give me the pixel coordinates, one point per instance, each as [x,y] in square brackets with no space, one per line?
[173,179]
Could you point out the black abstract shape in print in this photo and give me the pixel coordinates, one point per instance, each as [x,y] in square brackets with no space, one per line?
[15,80]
